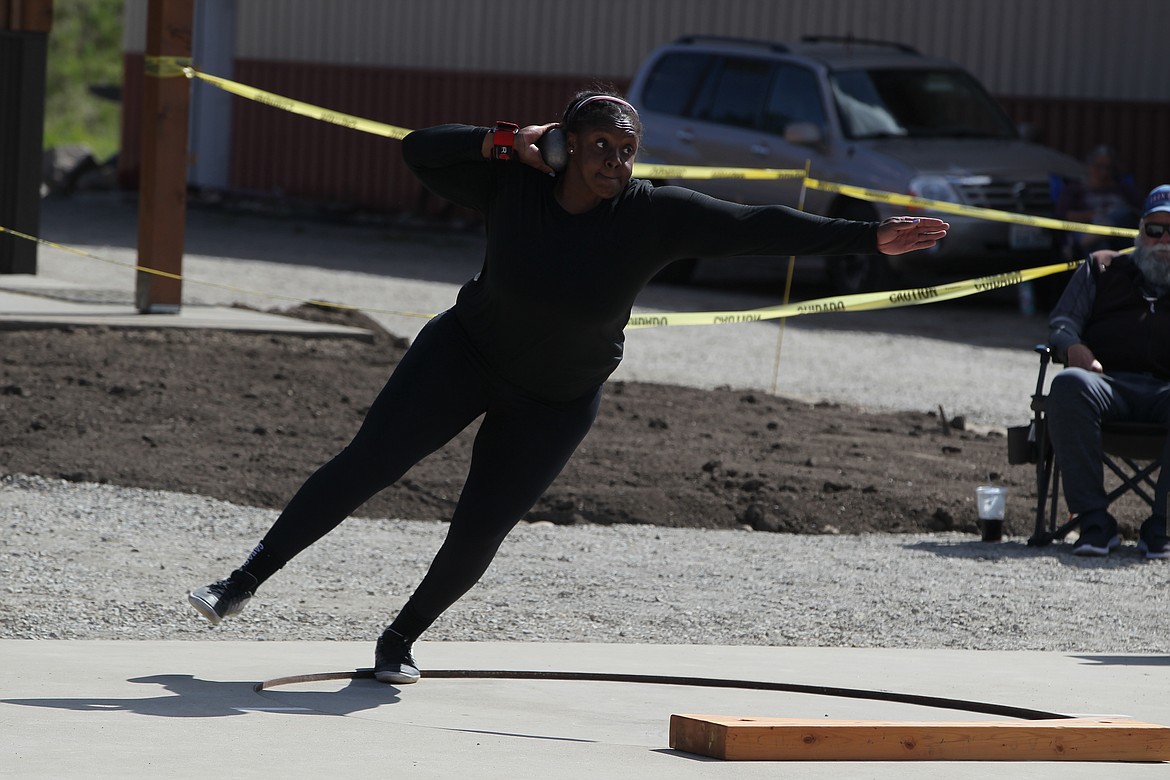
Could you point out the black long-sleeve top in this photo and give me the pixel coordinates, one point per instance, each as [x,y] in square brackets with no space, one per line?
[1121,317]
[548,308]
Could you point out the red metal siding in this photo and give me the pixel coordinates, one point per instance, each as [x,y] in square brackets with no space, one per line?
[1136,130]
[129,156]
[276,152]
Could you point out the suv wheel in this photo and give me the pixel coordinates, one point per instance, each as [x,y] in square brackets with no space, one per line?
[852,274]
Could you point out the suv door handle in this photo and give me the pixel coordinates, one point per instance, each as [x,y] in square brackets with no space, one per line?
[686,136]
[761,150]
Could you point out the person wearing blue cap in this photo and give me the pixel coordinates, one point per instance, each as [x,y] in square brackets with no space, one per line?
[1111,328]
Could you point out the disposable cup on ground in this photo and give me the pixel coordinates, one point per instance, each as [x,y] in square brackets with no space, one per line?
[991,503]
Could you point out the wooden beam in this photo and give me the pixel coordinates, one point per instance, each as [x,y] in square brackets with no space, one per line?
[162,187]
[26,15]
[791,739]
[24,42]
[36,15]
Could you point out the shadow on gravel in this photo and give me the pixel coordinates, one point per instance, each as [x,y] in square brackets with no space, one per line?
[977,550]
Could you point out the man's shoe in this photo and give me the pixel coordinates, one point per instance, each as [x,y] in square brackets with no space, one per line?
[1152,539]
[393,662]
[224,598]
[1098,534]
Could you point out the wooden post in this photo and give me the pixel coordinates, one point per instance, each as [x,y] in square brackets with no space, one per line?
[24,33]
[792,739]
[162,188]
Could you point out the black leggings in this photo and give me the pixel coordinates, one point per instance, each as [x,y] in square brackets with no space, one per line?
[439,388]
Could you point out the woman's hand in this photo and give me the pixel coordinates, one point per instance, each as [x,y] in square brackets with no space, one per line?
[898,235]
[526,149]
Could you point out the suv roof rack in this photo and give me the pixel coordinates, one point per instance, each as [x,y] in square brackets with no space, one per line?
[847,39]
[747,42]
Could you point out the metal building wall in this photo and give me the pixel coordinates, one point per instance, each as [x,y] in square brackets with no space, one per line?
[275,152]
[1078,69]
[1067,48]
[134,26]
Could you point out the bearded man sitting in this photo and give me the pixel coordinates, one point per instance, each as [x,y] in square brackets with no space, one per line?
[1111,329]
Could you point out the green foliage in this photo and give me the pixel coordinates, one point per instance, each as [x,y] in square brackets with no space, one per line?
[85,47]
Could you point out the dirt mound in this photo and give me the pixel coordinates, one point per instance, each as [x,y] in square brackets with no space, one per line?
[246,417]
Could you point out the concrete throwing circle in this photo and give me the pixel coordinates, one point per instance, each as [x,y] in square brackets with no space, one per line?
[593,707]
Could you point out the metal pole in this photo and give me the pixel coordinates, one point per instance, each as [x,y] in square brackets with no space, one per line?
[788,288]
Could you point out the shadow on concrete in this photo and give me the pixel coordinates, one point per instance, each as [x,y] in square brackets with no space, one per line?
[191,697]
[1125,660]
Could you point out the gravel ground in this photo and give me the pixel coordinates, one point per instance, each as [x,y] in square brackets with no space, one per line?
[85,561]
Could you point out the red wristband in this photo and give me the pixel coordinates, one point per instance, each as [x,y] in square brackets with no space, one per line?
[503,140]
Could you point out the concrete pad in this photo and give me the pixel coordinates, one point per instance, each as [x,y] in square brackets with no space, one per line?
[32,301]
[191,709]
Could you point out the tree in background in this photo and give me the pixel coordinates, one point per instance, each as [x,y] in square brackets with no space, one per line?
[85,49]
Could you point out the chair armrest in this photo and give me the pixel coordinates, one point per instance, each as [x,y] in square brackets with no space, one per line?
[1045,352]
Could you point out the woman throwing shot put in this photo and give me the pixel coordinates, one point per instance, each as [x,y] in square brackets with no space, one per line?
[530,340]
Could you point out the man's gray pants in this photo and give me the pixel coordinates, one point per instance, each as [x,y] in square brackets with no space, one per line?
[1078,402]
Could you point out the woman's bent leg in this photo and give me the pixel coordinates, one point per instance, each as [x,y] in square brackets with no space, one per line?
[521,448]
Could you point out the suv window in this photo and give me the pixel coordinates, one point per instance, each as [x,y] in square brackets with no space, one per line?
[919,103]
[863,111]
[673,82]
[794,97]
[735,95]
[709,99]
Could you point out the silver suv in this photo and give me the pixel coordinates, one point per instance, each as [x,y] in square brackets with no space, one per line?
[867,113]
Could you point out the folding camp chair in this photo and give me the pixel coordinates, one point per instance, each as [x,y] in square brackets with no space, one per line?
[1132,451]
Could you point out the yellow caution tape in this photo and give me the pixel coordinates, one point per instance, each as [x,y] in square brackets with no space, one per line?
[181,66]
[176,66]
[655,171]
[167,67]
[862,193]
[861,302]
[891,299]
[303,109]
[217,285]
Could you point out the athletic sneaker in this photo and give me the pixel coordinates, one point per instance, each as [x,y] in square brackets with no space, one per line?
[1152,539]
[224,598]
[393,662]
[1098,534]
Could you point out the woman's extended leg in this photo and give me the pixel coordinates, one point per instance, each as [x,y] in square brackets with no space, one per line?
[436,391]
[521,447]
